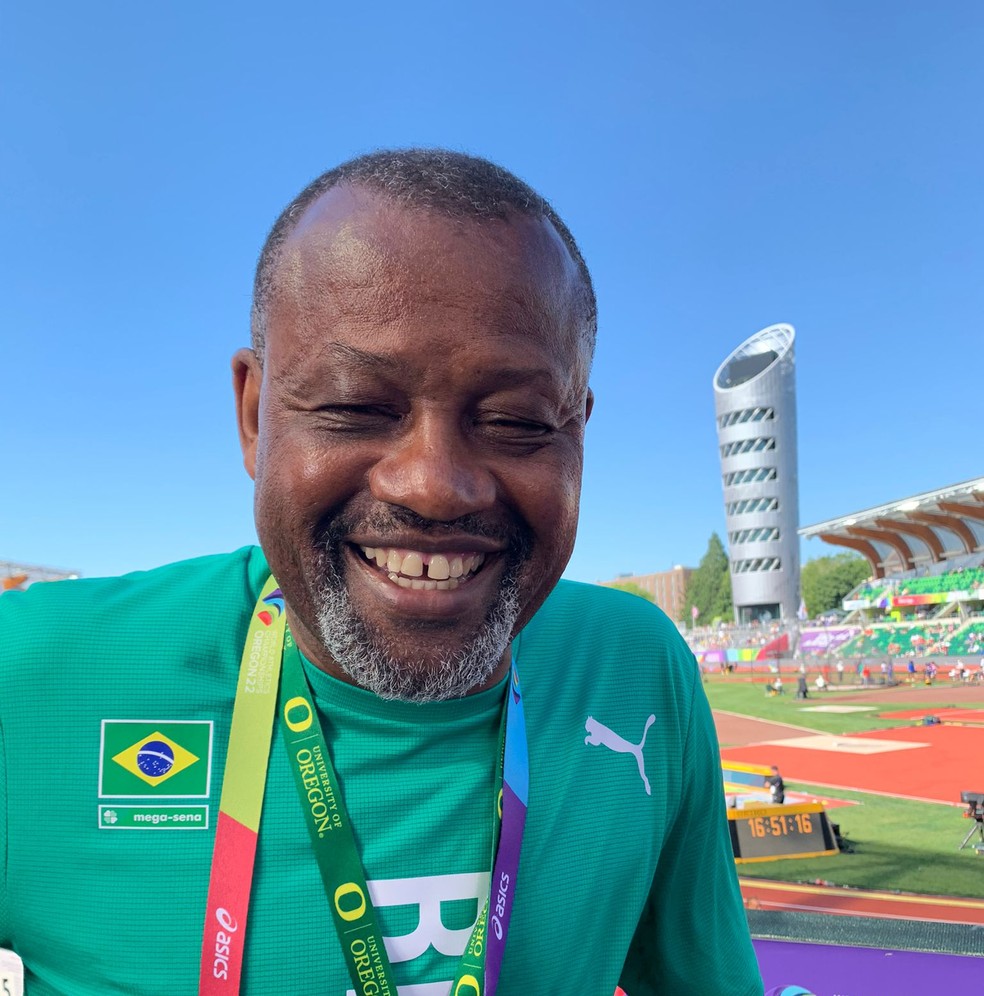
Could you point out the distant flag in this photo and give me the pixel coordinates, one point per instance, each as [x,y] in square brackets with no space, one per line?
[801,612]
[694,613]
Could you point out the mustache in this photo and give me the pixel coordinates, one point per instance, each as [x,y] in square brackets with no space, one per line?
[513,534]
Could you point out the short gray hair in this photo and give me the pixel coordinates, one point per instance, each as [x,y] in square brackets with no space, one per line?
[450,183]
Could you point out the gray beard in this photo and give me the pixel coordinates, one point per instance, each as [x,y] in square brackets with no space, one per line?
[363,653]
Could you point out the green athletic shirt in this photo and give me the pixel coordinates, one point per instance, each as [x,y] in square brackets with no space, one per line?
[615,884]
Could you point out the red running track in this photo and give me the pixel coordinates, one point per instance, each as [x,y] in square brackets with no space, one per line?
[951,762]
[787,896]
[943,715]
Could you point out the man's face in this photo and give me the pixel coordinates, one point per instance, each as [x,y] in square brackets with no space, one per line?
[415,432]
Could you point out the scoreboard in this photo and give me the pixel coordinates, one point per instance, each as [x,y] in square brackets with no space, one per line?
[763,833]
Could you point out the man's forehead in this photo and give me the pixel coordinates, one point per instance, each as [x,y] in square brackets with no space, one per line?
[359,256]
[334,215]
[351,226]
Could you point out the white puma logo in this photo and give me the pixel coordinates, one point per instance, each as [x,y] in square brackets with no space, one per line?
[598,733]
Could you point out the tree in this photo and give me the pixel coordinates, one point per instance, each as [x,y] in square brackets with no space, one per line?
[632,588]
[826,580]
[709,587]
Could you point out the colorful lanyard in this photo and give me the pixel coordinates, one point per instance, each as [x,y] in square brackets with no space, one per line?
[241,803]
[267,643]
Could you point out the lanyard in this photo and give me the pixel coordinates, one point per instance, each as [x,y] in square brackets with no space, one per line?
[331,832]
[267,642]
[241,802]
[511,798]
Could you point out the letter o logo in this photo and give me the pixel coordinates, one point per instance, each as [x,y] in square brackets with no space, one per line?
[353,912]
[300,725]
[466,985]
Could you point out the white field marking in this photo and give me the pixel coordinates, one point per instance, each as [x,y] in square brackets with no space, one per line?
[844,745]
[768,722]
[837,708]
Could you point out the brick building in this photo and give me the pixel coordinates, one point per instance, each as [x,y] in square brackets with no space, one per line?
[667,587]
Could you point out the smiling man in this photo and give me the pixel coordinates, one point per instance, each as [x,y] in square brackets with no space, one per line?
[385,751]
[413,413]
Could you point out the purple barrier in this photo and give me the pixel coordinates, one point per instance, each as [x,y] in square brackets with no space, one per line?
[819,641]
[834,970]
[714,656]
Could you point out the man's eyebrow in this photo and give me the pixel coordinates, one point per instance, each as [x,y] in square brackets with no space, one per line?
[296,378]
[342,352]
[355,359]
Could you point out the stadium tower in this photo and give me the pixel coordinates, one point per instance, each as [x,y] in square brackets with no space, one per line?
[755,404]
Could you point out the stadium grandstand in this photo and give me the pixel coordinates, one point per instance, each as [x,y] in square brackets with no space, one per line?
[924,598]
[926,534]
[14,576]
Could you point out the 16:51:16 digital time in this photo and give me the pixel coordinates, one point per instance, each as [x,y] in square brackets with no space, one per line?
[780,826]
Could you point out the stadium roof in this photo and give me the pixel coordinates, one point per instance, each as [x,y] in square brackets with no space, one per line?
[14,575]
[924,529]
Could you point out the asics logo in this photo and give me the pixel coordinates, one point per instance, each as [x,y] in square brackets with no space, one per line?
[223,942]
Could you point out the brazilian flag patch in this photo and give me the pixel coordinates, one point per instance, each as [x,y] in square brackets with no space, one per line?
[155,759]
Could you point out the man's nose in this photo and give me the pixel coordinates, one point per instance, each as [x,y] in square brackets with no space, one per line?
[432,469]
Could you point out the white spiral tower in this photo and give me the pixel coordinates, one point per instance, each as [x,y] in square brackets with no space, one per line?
[755,404]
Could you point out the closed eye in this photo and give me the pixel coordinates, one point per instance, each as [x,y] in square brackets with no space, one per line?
[356,417]
[515,430]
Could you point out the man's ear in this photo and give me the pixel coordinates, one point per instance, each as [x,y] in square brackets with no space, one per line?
[588,405]
[247,379]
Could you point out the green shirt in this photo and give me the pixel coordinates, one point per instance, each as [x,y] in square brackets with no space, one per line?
[616,883]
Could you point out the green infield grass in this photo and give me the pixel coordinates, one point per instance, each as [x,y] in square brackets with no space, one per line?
[749,699]
[895,844]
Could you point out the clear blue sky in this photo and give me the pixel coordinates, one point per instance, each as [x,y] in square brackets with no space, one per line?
[724,165]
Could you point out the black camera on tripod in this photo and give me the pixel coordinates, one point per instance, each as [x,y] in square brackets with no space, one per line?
[975,804]
[975,811]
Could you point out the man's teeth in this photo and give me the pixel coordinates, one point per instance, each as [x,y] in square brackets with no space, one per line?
[410,569]
[423,585]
